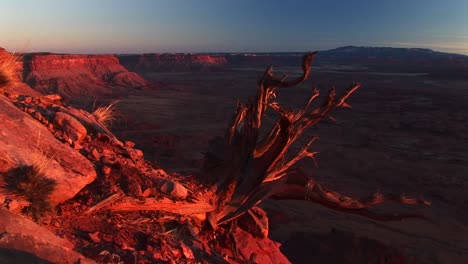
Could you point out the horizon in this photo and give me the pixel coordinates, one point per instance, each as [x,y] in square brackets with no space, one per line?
[126,27]
[234,52]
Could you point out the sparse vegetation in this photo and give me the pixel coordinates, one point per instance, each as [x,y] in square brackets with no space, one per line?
[8,70]
[31,183]
[106,115]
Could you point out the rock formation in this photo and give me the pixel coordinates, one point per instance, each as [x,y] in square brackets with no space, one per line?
[78,75]
[23,140]
[23,241]
[144,63]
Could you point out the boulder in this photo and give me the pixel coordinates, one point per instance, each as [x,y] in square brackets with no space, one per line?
[22,239]
[73,129]
[23,139]
[174,189]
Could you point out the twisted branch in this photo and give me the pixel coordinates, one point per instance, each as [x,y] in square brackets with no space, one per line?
[254,169]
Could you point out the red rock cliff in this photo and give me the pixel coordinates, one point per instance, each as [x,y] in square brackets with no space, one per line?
[172,62]
[78,75]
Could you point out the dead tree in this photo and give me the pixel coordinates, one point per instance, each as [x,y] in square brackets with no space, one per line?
[249,169]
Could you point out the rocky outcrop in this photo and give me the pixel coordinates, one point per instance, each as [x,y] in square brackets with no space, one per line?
[144,63]
[78,75]
[25,141]
[22,240]
[71,127]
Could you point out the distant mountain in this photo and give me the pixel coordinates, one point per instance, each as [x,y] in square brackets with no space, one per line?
[388,52]
[435,63]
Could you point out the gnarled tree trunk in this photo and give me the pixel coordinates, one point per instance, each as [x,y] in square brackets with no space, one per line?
[249,169]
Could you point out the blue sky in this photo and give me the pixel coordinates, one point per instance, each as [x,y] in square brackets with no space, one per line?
[125,26]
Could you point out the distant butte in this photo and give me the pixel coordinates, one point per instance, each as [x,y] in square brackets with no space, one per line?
[78,75]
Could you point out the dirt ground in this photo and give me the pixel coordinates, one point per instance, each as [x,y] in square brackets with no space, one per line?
[405,134]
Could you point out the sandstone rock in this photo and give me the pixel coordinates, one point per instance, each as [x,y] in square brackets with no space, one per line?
[95,154]
[51,99]
[30,110]
[135,154]
[23,140]
[94,237]
[19,234]
[91,124]
[146,193]
[77,75]
[39,117]
[70,126]
[106,170]
[174,189]
[16,205]
[187,251]
[128,79]
[129,144]
[172,62]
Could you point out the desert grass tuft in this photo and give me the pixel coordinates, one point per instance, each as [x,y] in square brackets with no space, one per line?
[8,70]
[106,115]
[30,181]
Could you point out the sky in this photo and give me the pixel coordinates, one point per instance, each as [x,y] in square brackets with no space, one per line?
[141,26]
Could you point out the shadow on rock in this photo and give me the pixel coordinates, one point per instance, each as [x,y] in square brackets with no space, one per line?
[17,256]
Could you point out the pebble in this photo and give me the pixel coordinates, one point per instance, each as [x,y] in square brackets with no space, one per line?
[94,237]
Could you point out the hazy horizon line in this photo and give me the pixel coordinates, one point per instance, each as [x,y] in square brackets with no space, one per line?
[79,52]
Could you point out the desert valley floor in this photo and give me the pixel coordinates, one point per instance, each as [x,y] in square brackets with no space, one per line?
[406,133]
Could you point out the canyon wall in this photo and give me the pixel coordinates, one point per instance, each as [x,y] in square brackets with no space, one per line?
[78,75]
[74,76]
[155,62]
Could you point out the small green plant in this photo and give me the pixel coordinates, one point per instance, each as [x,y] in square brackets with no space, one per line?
[106,115]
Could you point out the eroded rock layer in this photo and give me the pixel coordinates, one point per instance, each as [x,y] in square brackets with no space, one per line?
[78,75]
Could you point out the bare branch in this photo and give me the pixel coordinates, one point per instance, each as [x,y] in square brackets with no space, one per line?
[256,169]
[167,205]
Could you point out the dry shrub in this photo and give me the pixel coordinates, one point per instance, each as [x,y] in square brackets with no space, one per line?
[31,182]
[106,115]
[8,69]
